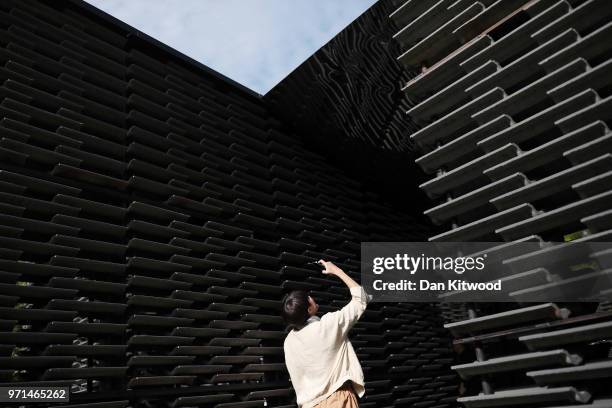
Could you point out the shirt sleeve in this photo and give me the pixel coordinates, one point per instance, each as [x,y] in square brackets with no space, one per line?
[345,318]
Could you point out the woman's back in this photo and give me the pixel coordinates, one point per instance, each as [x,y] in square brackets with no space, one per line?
[319,356]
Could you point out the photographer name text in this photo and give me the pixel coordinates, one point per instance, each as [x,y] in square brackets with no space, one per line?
[425,285]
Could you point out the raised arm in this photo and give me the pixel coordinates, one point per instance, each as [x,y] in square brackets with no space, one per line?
[345,318]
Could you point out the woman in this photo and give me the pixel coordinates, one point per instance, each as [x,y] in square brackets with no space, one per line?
[322,364]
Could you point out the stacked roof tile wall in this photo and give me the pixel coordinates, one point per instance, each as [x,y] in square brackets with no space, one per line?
[152,213]
[513,101]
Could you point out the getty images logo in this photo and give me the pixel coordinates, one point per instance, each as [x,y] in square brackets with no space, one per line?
[412,264]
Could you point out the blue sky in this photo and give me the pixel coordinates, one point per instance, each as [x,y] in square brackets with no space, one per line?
[254,42]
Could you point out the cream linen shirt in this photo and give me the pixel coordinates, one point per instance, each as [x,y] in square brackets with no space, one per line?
[320,358]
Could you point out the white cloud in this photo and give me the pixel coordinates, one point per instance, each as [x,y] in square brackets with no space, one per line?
[254,42]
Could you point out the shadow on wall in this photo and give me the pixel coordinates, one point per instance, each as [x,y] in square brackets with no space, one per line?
[346,103]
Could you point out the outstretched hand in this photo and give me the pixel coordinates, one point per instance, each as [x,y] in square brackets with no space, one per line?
[330,268]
